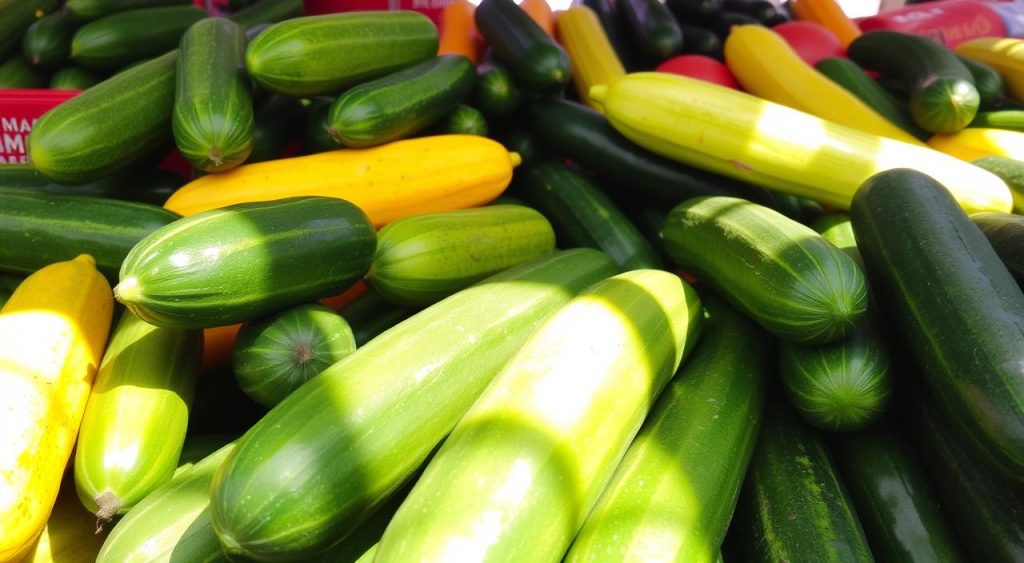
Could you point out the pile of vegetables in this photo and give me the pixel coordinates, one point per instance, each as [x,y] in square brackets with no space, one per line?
[636,281]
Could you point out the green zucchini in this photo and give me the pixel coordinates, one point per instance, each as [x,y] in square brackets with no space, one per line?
[317,135]
[267,12]
[529,460]
[893,494]
[16,72]
[584,216]
[301,56]
[852,77]
[793,506]
[40,228]
[135,421]
[213,116]
[779,272]
[961,312]
[244,261]
[15,17]
[86,10]
[1005,232]
[1009,170]
[107,127]
[275,127]
[674,493]
[145,186]
[989,83]
[496,94]
[463,120]
[120,39]
[402,103]
[538,64]
[369,315]
[74,78]
[943,97]
[274,355]
[8,283]
[424,258]
[47,42]
[653,32]
[396,409]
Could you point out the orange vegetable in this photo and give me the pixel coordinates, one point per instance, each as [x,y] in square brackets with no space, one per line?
[540,12]
[458,31]
[829,14]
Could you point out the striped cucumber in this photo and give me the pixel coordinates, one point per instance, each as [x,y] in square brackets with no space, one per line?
[47,42]
[117,40]
[15,17]
[496,94]
[1005,232]
[463,120]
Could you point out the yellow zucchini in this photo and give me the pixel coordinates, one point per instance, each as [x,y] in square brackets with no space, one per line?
[742,136]
[977,142]
[388,182]
[52,334]
[1001,53]
[764,63]
[591,54]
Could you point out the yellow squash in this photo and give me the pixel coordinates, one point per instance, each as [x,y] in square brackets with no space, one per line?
[388,182]
[593,58]
[742,136]
[52,334]
[976,142]
[1003,54]
[764,63]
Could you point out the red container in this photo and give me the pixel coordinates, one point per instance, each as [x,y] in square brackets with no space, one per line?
[19,110]
[950,22]
[430,8]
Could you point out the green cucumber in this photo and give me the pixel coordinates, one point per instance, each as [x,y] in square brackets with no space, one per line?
[74,78]
[18,73]
[144,186]
[538,64]
[317,134]
[989,83]
[396,409]
[276,126]
[213,116]
[402,103]
[1012,119]
[837,228]
[40,228]
[943,97]
[107,127]
[1005,232]
[777,271]
[274,355]
[893,494]
[301,56]
[608,15]
[8,283]
[496,94]
[267,12]
[1009,170]
[424,258]
[120,39]
[675,491]
[517,138]
[852,77]
[85,10]
[652,30]
[797,208]
[793,506]
[47,42]
[244,261]
[135,421]
[463,120]
[369,315]
[15,17]
[529,460]
[962,314]
[199,446]
[583,216]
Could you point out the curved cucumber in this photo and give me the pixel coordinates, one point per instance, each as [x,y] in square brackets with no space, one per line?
[47,42]
[538,64]
[117,40]
[74,78]
[1005,232]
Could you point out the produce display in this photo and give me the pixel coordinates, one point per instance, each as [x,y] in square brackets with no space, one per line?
[504,280]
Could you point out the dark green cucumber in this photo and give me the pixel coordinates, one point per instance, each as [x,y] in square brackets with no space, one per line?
[424,258]
[584,217]
[41,228]
[267,12]
[316,137]
[301,56]
[989,83]
[86,10]
[396,409]
[15,17]
[369,315]
[277,123]
[852,77]
[496,94]
[120,39]
[213,116]
[794,507]
[1005,232]
[699,40]
[943,97]
[892,491]
[8,283]
[463,120]
[247,260]
[274,355]
[583,135]
[1009,170]
[779,272]
[107,127]
[74,78]
[652,30]
[402,103]
[961,312]
[537,62]
[47,42]
[675,490]
[144,186]
[18,73]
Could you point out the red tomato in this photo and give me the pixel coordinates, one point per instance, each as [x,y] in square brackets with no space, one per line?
[700,67]
[812,41]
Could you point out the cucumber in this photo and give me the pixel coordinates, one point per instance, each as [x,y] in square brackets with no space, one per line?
[397,408]
[849,75]
[402,103]
[18,73]
[267,12]
[243,261]
[538,64]
[608,15]
[989,83]
[652,30]
[893,494]
[134,423]
[584,217]
[145,186]
[15,17]
[85,10]
[1009,170]
[517,138]
[8,283]
[117,40]
[108,127]
[317,135]
[463,120]
[793,506]
[74,78]
[943,97]
[1012,119]
[275,127]
[369,315]
[1005,232]
[775,270]
[699,40]
[424,258]
[496,94]
[199,446]
[797,208]
[675,491]
[40,228]
[301,56]
[695,10]
[765,12]
[275,355]
[213,116]
[961,312]
[837,228]
[529,460]
[47,42]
